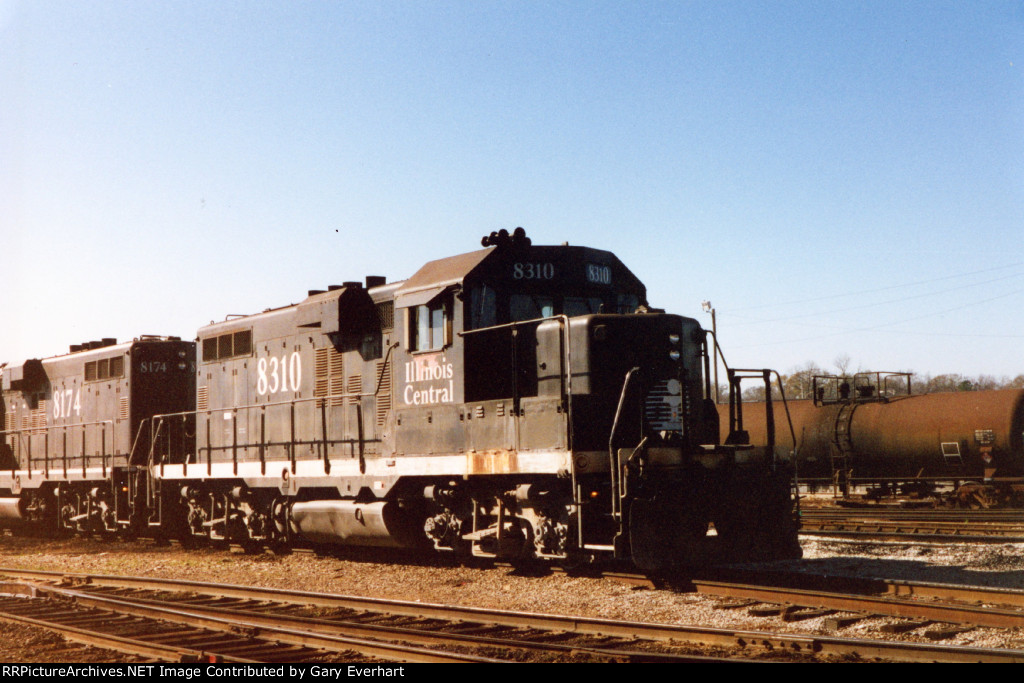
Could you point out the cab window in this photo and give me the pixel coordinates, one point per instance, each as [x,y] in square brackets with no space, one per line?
[430,325]
[483,304]
[529,307]
[628,303]
[578,305]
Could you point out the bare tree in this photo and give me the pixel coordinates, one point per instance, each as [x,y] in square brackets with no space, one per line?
[799,382]
[948,382]
[986,382]
[842,363]
[754,394]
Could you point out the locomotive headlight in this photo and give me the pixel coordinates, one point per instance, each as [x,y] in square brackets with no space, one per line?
[181,354]
[673,339]
[181,366]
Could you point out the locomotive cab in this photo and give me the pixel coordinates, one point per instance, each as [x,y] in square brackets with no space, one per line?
[584,417]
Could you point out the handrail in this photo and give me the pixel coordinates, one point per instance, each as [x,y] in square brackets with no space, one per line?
[384,367]
[39,430]
[322,401]
[514,323]
[721,354]
[21,434]
[153,435]
[789,418]
[613,461]
[138,437]
[734,382]
[269,404]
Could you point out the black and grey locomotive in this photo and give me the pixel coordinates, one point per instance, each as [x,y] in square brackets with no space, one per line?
[518,401]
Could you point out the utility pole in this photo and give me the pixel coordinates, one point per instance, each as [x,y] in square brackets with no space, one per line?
[708,308]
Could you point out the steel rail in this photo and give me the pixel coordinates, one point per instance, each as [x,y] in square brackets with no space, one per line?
[268,632]
[888,606]
[131,646]
[933,535]
[942,591]
[929,514]
[1000,526]
[231,618]
[1006,597]
[791,643]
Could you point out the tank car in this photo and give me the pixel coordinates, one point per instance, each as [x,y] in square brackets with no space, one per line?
[73,446]
[858,431]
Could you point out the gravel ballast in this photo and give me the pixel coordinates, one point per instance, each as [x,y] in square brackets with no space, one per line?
[1000,565]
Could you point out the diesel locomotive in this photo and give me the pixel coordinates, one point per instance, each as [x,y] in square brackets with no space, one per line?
[517,401]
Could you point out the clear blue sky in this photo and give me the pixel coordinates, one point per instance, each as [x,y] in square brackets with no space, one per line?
[836,177]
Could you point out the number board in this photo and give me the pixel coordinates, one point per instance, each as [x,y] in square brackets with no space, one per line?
[533,271]
[601,275]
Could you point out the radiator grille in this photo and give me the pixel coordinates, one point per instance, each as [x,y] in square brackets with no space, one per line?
[663,406]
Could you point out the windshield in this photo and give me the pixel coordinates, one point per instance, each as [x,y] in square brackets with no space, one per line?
[488,308]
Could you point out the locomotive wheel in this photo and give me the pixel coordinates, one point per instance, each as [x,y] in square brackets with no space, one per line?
[280,536]
[238,534]
[173,522]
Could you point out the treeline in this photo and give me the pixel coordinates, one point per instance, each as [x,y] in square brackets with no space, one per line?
[799,382]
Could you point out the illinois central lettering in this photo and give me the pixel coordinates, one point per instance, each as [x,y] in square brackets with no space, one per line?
[429,379]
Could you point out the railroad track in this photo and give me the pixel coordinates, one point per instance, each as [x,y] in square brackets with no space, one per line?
[797,595]
[930,525]
[518,636]
[932,514]
[794,604]
[254,630]
[163,633]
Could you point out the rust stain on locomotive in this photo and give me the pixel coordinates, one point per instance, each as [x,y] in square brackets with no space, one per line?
[492,462]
